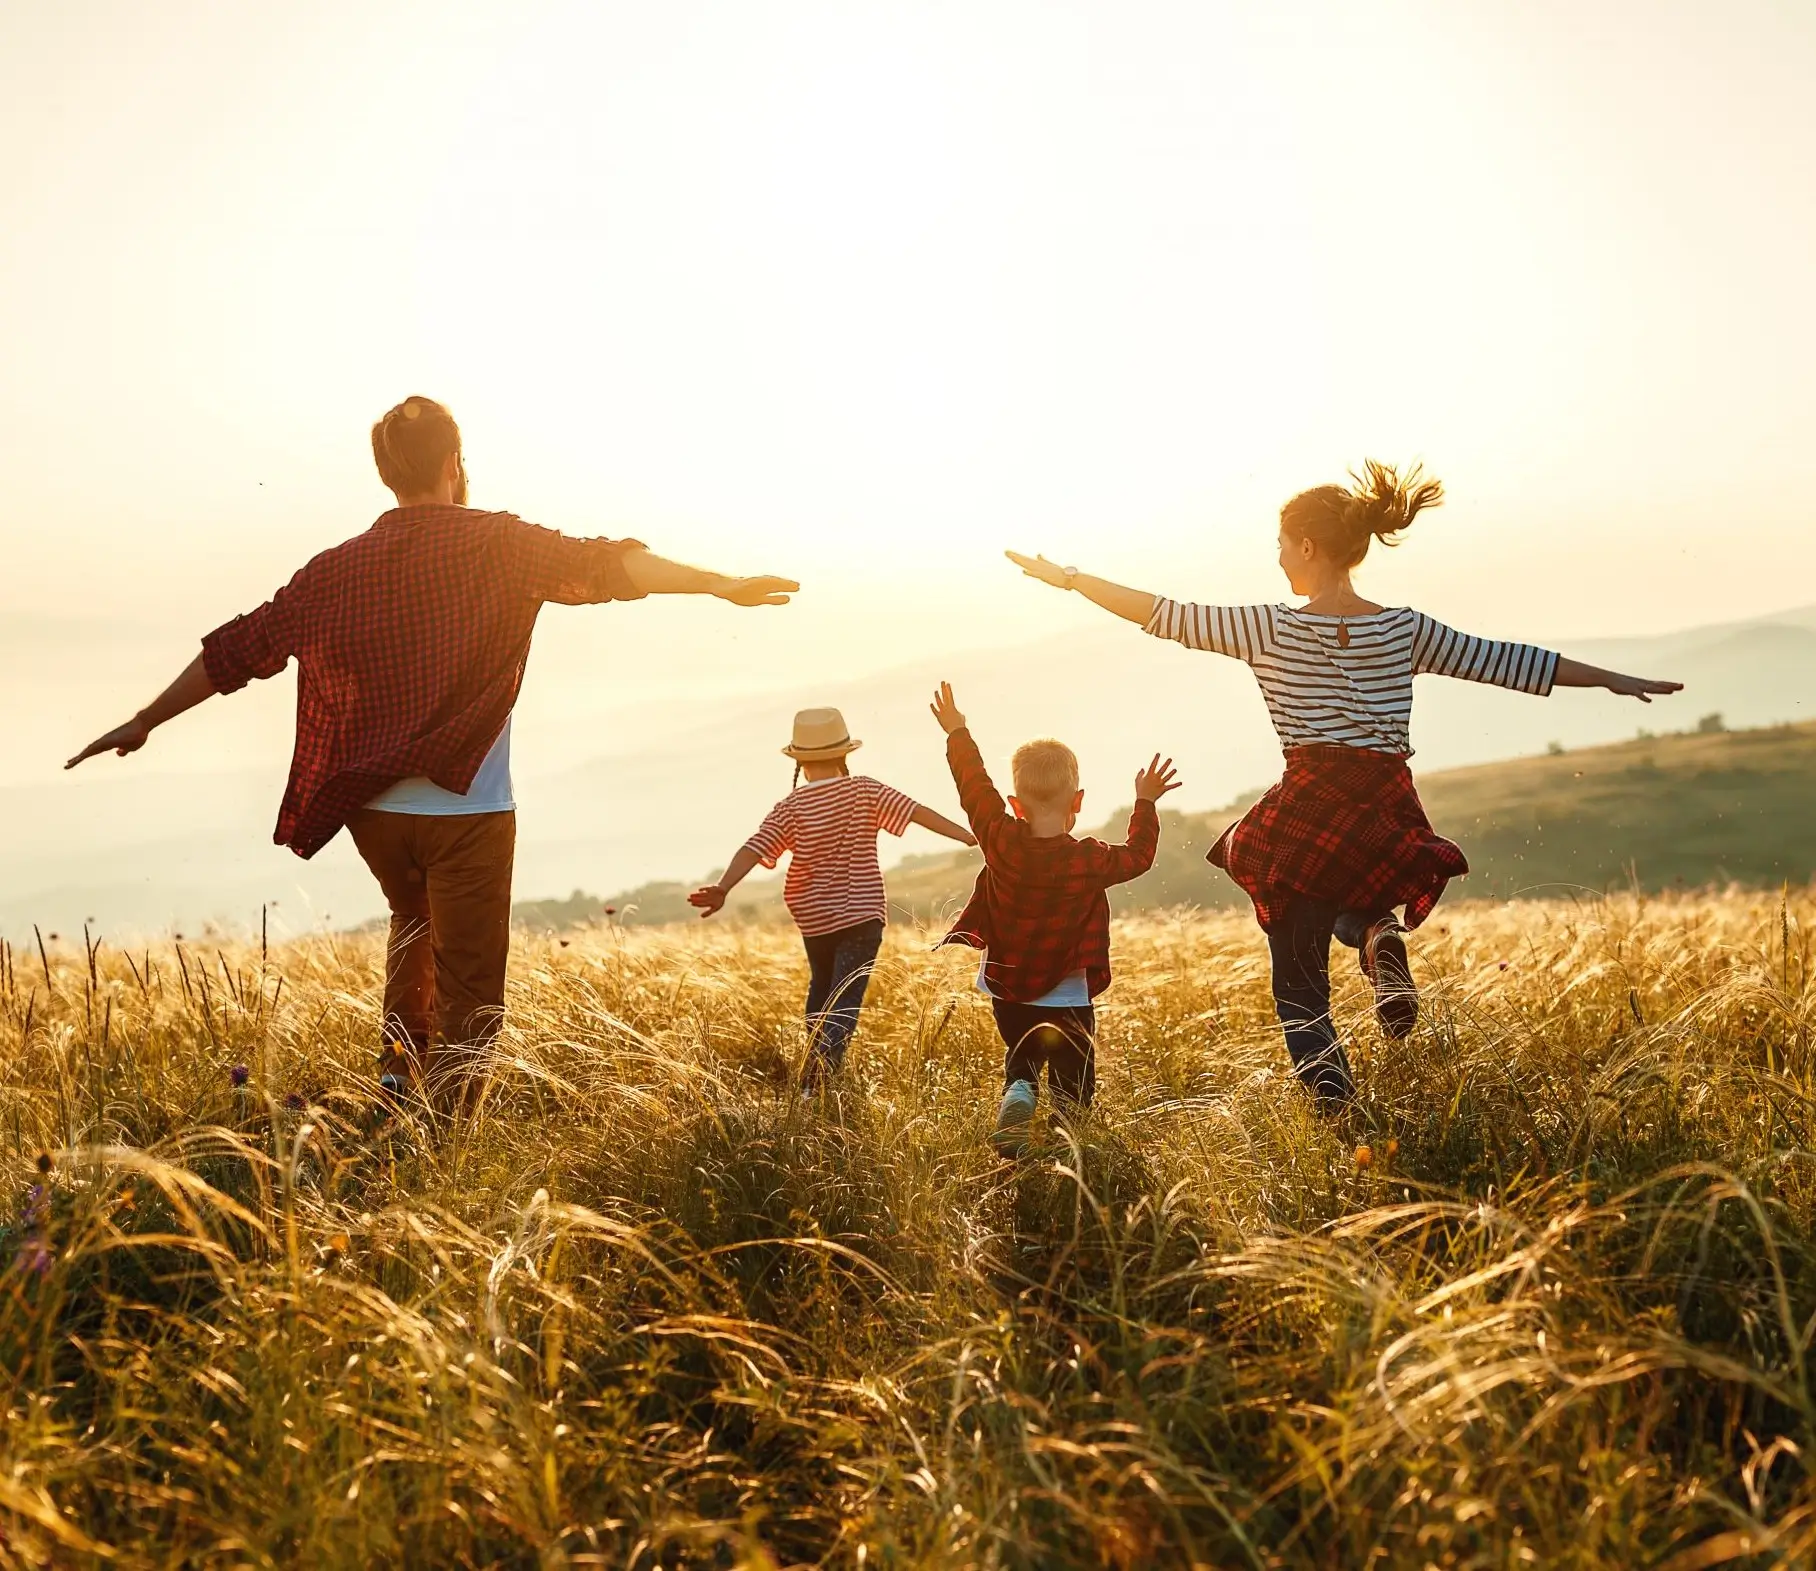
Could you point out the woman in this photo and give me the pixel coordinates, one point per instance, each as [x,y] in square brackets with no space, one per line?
[1342,840]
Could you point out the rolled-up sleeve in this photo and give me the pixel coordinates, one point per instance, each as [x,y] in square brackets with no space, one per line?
[258,644]
[548,565]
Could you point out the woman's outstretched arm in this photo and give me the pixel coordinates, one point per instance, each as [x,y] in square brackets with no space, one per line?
[1132,605]
[1573,673]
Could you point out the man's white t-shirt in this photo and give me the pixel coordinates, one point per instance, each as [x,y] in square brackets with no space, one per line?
[489,793]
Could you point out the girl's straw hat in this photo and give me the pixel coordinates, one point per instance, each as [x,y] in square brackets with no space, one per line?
[820,734]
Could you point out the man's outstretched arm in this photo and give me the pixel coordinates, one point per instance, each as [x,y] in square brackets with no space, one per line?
[185,692]
[656,575]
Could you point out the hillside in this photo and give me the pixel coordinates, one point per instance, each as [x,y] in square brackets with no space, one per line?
[1690,809]
[617,793]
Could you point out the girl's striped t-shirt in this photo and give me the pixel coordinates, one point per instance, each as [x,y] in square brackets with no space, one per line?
[1348,679]
[830,828]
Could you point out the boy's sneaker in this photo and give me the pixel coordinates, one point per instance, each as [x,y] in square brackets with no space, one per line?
[1384,963]
[1010,1137]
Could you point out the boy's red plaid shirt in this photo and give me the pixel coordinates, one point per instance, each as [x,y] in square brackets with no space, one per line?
[1039,910]
[1343,824]
[410,642]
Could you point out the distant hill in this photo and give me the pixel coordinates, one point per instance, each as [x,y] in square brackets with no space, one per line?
[1692,808]
[680,785]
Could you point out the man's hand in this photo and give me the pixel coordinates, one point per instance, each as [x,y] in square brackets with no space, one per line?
[1039,567]
[1155,781]
[128,738]
[707,899]
[757,591]
[945,710]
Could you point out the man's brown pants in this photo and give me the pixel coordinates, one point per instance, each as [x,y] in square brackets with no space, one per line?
[448,883]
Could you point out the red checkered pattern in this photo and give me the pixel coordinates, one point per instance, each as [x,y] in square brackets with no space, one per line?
[1039,910]
[410,642]
[1343,824]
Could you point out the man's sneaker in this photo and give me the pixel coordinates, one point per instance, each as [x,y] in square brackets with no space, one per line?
[1010,1137]
[1385,964]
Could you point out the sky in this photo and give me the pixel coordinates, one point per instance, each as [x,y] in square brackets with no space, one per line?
[863,293]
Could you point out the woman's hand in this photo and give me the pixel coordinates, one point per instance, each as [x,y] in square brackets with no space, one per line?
[1640,687]
[1578,673]
[945,710]
[1156,780]
[707,899]
[1047,572]
[128,738]
[757,591]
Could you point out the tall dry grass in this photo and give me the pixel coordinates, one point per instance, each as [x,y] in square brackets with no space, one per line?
[648,1309]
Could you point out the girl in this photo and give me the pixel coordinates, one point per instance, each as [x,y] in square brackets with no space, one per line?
[834,888]
[1342,839]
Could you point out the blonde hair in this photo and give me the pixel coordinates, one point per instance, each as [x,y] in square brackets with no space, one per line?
[1046,772]
[412,444]
[1377,504]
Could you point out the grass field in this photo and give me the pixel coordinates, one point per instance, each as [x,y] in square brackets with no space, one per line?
[651,1310]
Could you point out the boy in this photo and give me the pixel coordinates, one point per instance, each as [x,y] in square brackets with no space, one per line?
[1040,914]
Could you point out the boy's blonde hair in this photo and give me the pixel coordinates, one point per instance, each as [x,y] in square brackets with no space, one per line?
[1046,772]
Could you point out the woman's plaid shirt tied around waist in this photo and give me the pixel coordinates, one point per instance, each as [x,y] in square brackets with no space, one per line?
[1343,824]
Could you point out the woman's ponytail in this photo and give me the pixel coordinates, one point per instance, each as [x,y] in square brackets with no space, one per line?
[1378,504]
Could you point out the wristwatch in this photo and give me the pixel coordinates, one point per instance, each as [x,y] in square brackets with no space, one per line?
[1071,574]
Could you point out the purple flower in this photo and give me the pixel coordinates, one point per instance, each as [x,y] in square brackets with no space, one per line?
[35,1257]
[294,1101]
[239,1075]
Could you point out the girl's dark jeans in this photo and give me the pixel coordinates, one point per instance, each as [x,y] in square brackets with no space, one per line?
[839,966]
[1064,1040]
[1300,947]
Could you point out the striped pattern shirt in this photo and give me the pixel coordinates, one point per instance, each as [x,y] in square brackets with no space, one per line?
[830,828]
[1359,694]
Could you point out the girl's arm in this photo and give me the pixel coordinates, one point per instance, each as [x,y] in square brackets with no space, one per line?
[708,898]
[1573,673]
[941,825]
[1132,605]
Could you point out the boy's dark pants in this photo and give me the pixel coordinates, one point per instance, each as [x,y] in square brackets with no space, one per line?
[839,966]
[1064,1040]
[448,883]
[1300,948]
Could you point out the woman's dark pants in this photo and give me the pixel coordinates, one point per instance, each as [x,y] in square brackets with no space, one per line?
[1300,947]
[1064,1040]
[839,966]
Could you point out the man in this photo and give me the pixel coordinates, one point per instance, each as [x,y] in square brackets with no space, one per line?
[410,642]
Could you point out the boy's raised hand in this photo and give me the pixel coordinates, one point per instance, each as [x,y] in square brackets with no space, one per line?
[708,898]
[1156,780]
[945,710]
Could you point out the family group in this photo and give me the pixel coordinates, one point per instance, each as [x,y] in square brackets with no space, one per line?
[410,642]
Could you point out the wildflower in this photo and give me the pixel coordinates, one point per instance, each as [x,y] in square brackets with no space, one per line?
[44,1162]
[1393,1148]
[35,1257]
[239,1075]
[1364,1156]
[611,910]
[294,1102]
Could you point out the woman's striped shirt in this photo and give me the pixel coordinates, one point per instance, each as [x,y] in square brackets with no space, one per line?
[830,828]
[1356,694]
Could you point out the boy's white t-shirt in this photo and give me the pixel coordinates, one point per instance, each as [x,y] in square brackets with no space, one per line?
[1070,992]
[489,793]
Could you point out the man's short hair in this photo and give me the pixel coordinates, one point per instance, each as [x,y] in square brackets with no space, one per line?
[412,445]
[1045,772]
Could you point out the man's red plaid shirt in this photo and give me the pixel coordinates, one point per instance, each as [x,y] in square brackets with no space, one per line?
[410,642]
[1039,910]
[1343,824]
